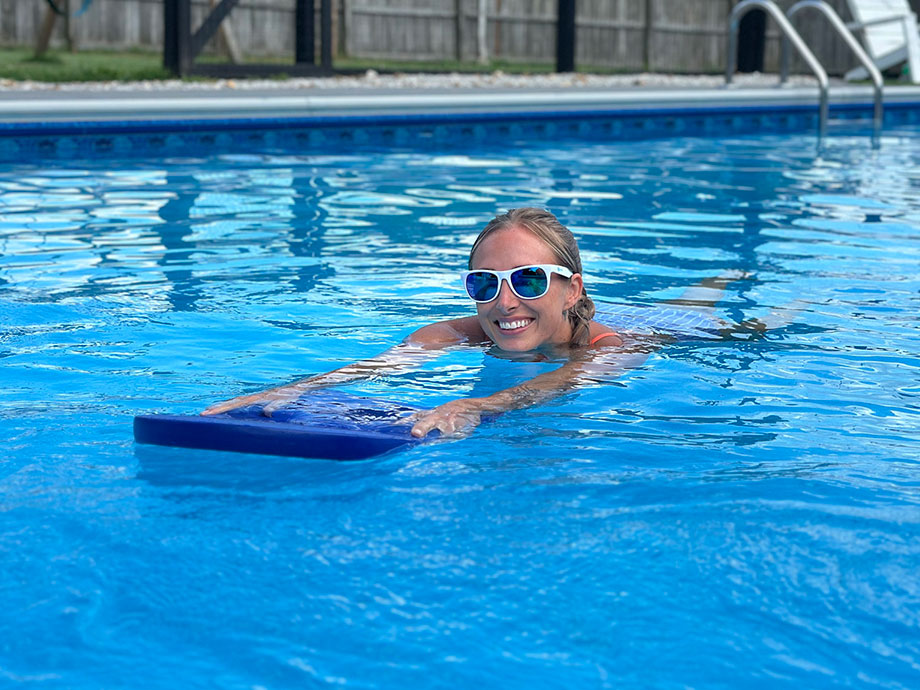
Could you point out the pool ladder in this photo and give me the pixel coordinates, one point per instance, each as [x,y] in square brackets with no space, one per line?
[790,35]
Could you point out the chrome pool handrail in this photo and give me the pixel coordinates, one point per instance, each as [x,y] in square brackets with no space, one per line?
[789,32]
[852,43]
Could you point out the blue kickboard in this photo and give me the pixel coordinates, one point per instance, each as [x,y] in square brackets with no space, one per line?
[324,424]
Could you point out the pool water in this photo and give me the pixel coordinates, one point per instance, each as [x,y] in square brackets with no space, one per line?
[739,513]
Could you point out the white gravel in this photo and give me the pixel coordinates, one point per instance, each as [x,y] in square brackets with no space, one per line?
[373,80]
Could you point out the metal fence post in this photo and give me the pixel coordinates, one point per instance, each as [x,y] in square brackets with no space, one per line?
[177,29]
[565,36]
[325,34]
[304,35]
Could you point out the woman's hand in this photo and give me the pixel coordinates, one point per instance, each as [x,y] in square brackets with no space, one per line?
[456,418]
[271,400]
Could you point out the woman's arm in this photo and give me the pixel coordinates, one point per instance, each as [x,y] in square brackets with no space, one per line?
[590,366]
[421,346]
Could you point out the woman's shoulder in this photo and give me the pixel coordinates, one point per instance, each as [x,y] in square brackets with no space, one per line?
[446,333]
[600,335]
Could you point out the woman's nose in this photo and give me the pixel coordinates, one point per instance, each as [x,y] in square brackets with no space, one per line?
[506,298]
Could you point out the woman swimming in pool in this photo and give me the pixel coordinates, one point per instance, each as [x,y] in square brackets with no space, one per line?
[525,276]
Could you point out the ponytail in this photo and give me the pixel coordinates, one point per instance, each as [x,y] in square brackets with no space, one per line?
[580,317]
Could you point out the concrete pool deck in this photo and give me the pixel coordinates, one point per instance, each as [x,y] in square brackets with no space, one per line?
[23,102]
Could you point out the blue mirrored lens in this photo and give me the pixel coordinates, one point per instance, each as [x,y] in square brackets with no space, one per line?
[482,286]
[529,282]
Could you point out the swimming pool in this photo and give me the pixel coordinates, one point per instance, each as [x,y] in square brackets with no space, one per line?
[733,514]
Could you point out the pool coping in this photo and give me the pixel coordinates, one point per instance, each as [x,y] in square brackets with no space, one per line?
[92,125]
[147,106]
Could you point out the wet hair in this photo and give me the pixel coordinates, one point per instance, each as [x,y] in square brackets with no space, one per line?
[562,242]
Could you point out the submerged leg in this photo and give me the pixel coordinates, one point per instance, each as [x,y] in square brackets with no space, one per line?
[707,293]
[703,297]
[778,317]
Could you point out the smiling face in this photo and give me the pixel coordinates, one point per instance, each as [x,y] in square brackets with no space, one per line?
[516,324]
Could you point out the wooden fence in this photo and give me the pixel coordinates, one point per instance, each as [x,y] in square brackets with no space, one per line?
[686,36]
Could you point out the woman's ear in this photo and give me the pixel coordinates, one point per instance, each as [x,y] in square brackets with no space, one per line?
[573,291]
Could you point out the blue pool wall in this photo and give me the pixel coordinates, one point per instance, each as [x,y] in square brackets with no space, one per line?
[31,141]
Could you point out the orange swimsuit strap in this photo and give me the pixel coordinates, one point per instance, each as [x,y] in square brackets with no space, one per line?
[602,335]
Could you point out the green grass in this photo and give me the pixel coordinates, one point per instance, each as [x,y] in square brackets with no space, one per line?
[135,65]
[95,65]
[55,66]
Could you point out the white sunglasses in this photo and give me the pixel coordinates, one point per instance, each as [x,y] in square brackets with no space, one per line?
[527,282]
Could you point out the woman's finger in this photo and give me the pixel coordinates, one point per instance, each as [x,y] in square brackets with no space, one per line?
[450,419]
[421,428]
[274,404]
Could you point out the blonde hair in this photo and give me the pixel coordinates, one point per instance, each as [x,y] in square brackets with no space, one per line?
[562,242]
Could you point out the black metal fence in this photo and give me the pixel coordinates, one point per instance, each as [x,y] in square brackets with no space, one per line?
[181,46]
[687,36]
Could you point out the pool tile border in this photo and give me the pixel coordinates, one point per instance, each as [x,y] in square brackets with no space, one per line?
[61,140]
